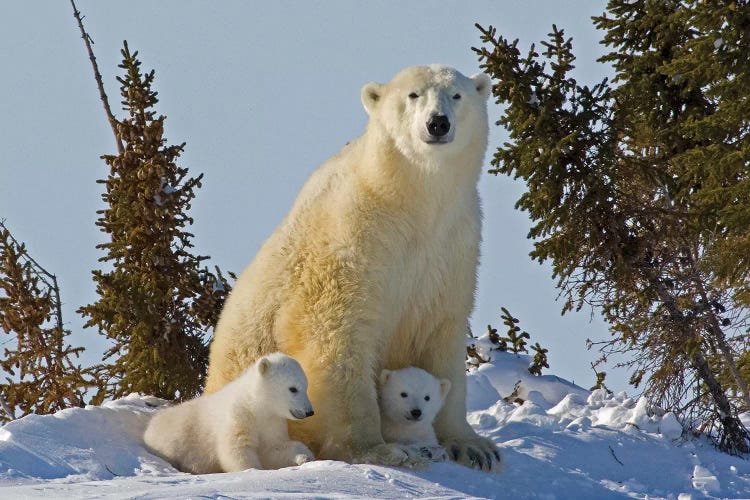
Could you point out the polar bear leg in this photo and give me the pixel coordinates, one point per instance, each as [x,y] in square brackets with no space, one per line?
[285,454]
[239,458]
[453,431]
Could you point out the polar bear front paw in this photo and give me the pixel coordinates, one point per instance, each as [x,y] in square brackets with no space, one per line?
[477,453]
[394,454]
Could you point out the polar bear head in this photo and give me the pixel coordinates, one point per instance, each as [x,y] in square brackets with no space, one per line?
[282,387]
[430,112]
[411,395]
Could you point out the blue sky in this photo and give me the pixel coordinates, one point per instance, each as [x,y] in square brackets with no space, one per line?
[263,93]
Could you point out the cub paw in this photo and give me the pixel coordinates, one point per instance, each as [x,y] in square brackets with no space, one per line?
[434,453]
[394,454]
[302,453]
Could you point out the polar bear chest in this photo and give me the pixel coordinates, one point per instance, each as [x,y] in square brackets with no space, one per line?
[434,275]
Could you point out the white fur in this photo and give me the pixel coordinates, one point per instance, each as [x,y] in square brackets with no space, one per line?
[242,426]
[374,267]
[400,393]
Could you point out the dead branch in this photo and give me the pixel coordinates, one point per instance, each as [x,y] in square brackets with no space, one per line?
[103,95]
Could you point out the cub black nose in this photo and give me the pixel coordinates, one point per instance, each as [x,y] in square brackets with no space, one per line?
[310,413]
[438,125]
[416,413]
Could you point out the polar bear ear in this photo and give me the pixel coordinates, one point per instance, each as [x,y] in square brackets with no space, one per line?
[263,366]
[371,94]
[445,386]
[384,376]
[483,84]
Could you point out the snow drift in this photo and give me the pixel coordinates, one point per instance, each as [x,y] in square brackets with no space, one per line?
[562,442]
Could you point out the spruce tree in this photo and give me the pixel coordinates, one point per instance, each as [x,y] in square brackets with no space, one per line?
[157,302]
[639,190]
[40,372]
[515,341]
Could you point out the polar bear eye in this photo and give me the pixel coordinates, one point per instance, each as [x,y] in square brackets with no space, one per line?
[293,390]
[403,394]
[427,398]
[413,95]
[457,96]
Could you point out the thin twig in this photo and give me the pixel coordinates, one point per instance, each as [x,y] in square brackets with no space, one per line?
[25,255]
[103,95]
[107,466]
[615,456]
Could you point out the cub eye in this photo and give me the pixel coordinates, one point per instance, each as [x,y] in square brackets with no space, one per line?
[413,95]
[427,398]
[457,96]
[293,390]
[403,394]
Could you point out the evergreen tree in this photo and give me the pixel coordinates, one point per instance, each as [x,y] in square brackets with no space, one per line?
[515,341]
[41,376]
[639,192]
[157,302]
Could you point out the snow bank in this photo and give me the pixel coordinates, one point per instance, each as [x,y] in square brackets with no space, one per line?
[562,442]
[96,442]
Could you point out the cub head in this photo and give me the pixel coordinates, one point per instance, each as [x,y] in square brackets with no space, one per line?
[411,395]
[430,111]
[283,386]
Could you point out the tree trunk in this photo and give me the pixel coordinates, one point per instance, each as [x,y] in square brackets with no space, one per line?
[734,439]
[718,334]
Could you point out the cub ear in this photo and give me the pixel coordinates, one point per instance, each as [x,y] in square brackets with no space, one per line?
[384,376]
[370,95]
[445,386]
[263,366]
[483,84]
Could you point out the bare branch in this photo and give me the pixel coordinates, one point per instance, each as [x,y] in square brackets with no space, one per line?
[103,95]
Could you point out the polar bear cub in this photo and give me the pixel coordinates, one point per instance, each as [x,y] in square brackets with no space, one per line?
[241,426]
[409,400]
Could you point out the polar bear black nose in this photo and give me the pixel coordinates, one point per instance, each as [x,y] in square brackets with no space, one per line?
[309,413]
[416,413]
[438,125]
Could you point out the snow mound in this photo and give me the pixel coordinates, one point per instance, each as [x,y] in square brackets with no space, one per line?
[96,442]
[558,441]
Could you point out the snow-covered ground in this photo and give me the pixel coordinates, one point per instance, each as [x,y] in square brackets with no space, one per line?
[562,442]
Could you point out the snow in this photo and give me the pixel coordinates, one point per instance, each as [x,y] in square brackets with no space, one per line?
[562,441]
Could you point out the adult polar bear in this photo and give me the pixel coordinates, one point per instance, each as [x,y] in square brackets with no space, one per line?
[375,267]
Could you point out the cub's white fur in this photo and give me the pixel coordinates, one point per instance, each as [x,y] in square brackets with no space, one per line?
[409,400]
[242,426]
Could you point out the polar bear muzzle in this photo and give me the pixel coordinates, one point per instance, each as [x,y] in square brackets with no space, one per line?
[300,414]
[438,127]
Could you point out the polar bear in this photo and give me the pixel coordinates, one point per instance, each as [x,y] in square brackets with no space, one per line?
[409,401]
[242,426]
[375,267]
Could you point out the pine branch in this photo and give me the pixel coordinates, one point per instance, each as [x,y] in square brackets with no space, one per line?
[42,273]
[98,77]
